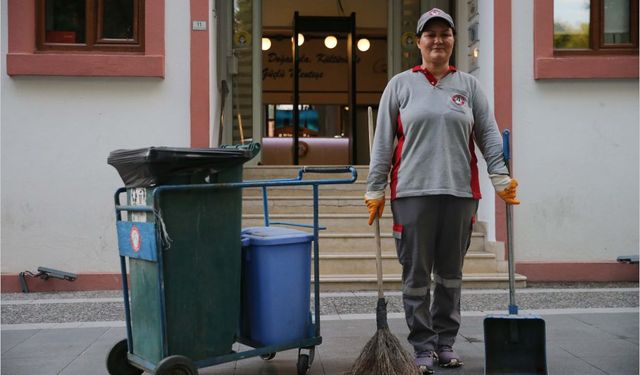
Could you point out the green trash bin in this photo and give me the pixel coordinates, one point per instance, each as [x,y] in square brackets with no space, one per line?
[198,235]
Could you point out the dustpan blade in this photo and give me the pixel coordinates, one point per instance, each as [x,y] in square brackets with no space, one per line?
[515,344]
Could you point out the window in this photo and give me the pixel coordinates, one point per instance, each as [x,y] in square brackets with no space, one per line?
[106,58]
[601,60]
[595,26]
[90,25]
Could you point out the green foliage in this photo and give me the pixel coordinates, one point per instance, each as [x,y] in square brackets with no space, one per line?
[566,36]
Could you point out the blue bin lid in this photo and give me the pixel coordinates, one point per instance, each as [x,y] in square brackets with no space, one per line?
[275,235]
[245,241]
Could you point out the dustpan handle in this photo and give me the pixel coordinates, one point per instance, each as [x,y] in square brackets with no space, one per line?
[506,153]
[513,308]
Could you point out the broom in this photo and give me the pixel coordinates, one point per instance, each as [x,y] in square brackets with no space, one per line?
[383,354]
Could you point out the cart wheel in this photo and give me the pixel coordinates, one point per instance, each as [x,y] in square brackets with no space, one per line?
[117,362]
[303,364]
[268,356]
[176,365]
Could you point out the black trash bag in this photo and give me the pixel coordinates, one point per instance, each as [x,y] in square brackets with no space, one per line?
[153,166]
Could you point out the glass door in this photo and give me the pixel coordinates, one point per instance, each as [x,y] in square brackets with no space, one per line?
[326,133]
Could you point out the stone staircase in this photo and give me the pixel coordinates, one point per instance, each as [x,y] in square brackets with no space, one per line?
[347,246]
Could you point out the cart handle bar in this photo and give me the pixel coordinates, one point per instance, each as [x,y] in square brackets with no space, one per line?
[251,183]
[304,170]
[267,183]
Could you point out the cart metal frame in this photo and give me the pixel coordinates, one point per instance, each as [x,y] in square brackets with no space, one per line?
[266,352]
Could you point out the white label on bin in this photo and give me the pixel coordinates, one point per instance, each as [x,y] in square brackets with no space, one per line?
[139,198]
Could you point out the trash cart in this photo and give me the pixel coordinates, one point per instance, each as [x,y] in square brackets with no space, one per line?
[183,250]
[189,270]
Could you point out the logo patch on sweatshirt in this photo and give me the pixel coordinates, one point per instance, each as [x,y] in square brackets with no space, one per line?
[459,100]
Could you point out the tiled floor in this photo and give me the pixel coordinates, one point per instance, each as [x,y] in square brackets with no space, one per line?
[579,343]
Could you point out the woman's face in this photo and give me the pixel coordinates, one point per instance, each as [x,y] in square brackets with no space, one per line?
[436,42]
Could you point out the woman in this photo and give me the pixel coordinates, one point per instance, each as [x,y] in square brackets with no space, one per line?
[435,113]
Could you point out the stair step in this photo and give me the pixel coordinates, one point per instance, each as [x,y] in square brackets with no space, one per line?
[362,264]
[365,242]
[353,189]
[292,204]
[335,223]
[291,171]
[394,281]
[344,230]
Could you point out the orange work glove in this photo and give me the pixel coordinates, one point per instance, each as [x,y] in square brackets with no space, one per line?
[375,204]
[505,188]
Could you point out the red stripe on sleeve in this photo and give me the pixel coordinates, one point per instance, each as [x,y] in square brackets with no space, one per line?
[397,158]
[475,182]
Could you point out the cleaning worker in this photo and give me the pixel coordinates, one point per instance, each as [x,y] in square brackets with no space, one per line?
[436,114]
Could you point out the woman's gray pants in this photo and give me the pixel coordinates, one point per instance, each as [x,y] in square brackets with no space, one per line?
[432,234]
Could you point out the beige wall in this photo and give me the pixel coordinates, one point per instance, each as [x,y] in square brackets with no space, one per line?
[576,156]
[57,189]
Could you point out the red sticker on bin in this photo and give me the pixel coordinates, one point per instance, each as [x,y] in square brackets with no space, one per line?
[135,238]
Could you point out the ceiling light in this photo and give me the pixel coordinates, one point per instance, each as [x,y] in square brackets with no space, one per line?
[300,39]
[330,42]
[363,44]
[266,44]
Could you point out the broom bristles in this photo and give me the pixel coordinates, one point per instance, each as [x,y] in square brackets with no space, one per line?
[384,355]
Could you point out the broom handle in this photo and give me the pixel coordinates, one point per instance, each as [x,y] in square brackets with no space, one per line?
[506,153]
[224,91]
[376,220]
[378,257]
[240,127]
[237,92]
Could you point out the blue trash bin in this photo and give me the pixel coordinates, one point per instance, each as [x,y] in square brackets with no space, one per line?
[276,281]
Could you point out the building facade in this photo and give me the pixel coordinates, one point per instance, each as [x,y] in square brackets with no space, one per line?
[71,94]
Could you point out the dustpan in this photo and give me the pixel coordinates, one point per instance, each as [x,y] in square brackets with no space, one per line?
[514,343]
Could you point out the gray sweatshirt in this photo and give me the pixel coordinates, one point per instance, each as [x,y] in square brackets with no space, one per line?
[425,136]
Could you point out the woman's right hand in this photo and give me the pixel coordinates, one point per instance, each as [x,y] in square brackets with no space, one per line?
[375,204]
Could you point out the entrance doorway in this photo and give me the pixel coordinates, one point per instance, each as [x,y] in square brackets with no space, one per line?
[327,134]
[257,65]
